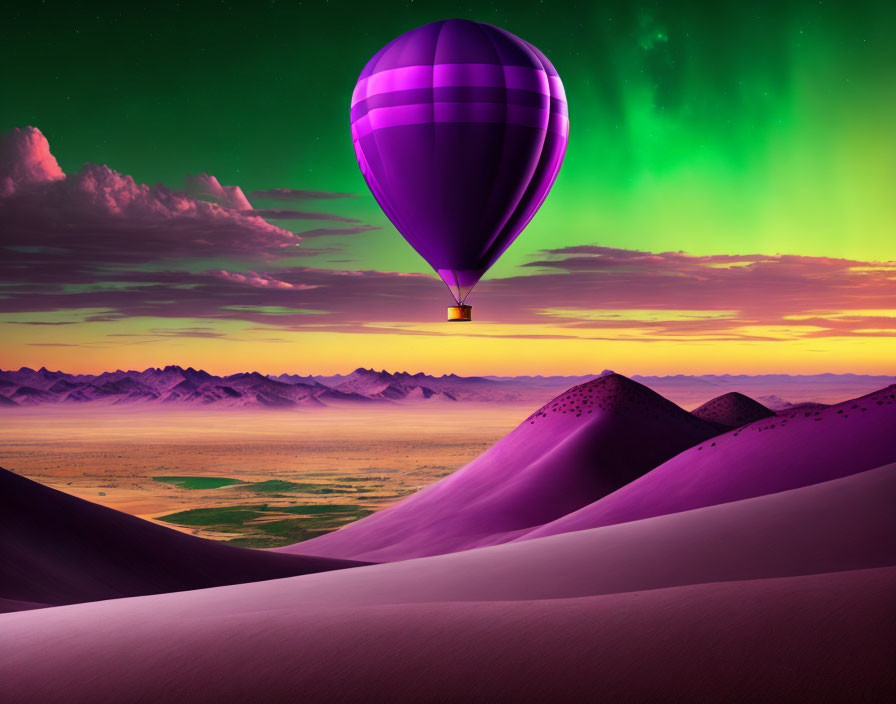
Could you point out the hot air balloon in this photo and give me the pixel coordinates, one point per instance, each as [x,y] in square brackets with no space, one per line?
[459,129]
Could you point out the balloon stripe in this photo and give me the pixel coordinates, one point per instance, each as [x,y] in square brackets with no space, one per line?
[397,116]
[449,75]
[557,91]
[457,94]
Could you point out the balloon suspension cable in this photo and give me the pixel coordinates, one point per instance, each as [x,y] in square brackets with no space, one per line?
[460,313]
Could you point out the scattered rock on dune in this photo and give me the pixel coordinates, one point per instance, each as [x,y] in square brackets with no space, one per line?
[785,451]
[732,410]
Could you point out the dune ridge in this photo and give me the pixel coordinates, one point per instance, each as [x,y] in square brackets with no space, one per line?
[732,410]
[583,445]
[770,455]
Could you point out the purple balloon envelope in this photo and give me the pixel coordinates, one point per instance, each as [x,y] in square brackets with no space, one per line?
[460,129]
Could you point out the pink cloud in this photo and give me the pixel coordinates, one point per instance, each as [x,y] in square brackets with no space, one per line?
[206,187]
[294,194]
[286,214]
[252,278]
[98,240]
[747,298]
[339,231]
[75,228]
[760,286]
[25,159]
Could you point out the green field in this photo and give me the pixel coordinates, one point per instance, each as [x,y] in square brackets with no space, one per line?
[198,482]
[279,486]
[263,525]
[223,516]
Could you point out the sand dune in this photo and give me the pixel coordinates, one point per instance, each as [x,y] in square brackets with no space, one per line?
[770,455]
[7,605]
[713,605]
[845,524]
[732,410]
[733,641]
[58,549]
[581,446]
[759,565]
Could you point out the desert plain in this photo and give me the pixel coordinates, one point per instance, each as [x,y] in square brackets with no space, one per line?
[242,475]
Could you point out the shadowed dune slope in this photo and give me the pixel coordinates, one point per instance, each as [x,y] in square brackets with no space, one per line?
[7,605]
[584,444]
[845,524]
[721,642]
[707,605]
[732,410]
[59,549]
[775,454]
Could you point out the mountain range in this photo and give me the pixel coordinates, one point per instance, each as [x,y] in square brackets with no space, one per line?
[188,387]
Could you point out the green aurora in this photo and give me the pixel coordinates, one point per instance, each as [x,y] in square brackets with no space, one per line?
[728,127]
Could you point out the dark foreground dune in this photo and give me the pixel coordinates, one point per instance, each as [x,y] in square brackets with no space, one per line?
[816,638]
[781,598]
[59,549]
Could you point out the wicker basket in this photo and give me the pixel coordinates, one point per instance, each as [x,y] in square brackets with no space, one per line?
[460,314]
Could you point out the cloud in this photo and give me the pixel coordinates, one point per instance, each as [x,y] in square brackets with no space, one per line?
[206,187]
[95,225]
[103,248]
[762,291]
[339,231]
[622,295]
[25,159]
[41,322]
[101,216]
[201,332]
[55,344]
[251,278]
[293,194]
[284,214]
[82,227]
[304,252]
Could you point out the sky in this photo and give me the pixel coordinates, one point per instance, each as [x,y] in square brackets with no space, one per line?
[726,204]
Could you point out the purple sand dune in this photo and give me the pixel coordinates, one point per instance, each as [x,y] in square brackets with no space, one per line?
[805,406]
[775,454]
[581,446]
[784,597]
[732,410]
[59,549]
[9,605]
[845,524]
[840,525]
[814,638]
